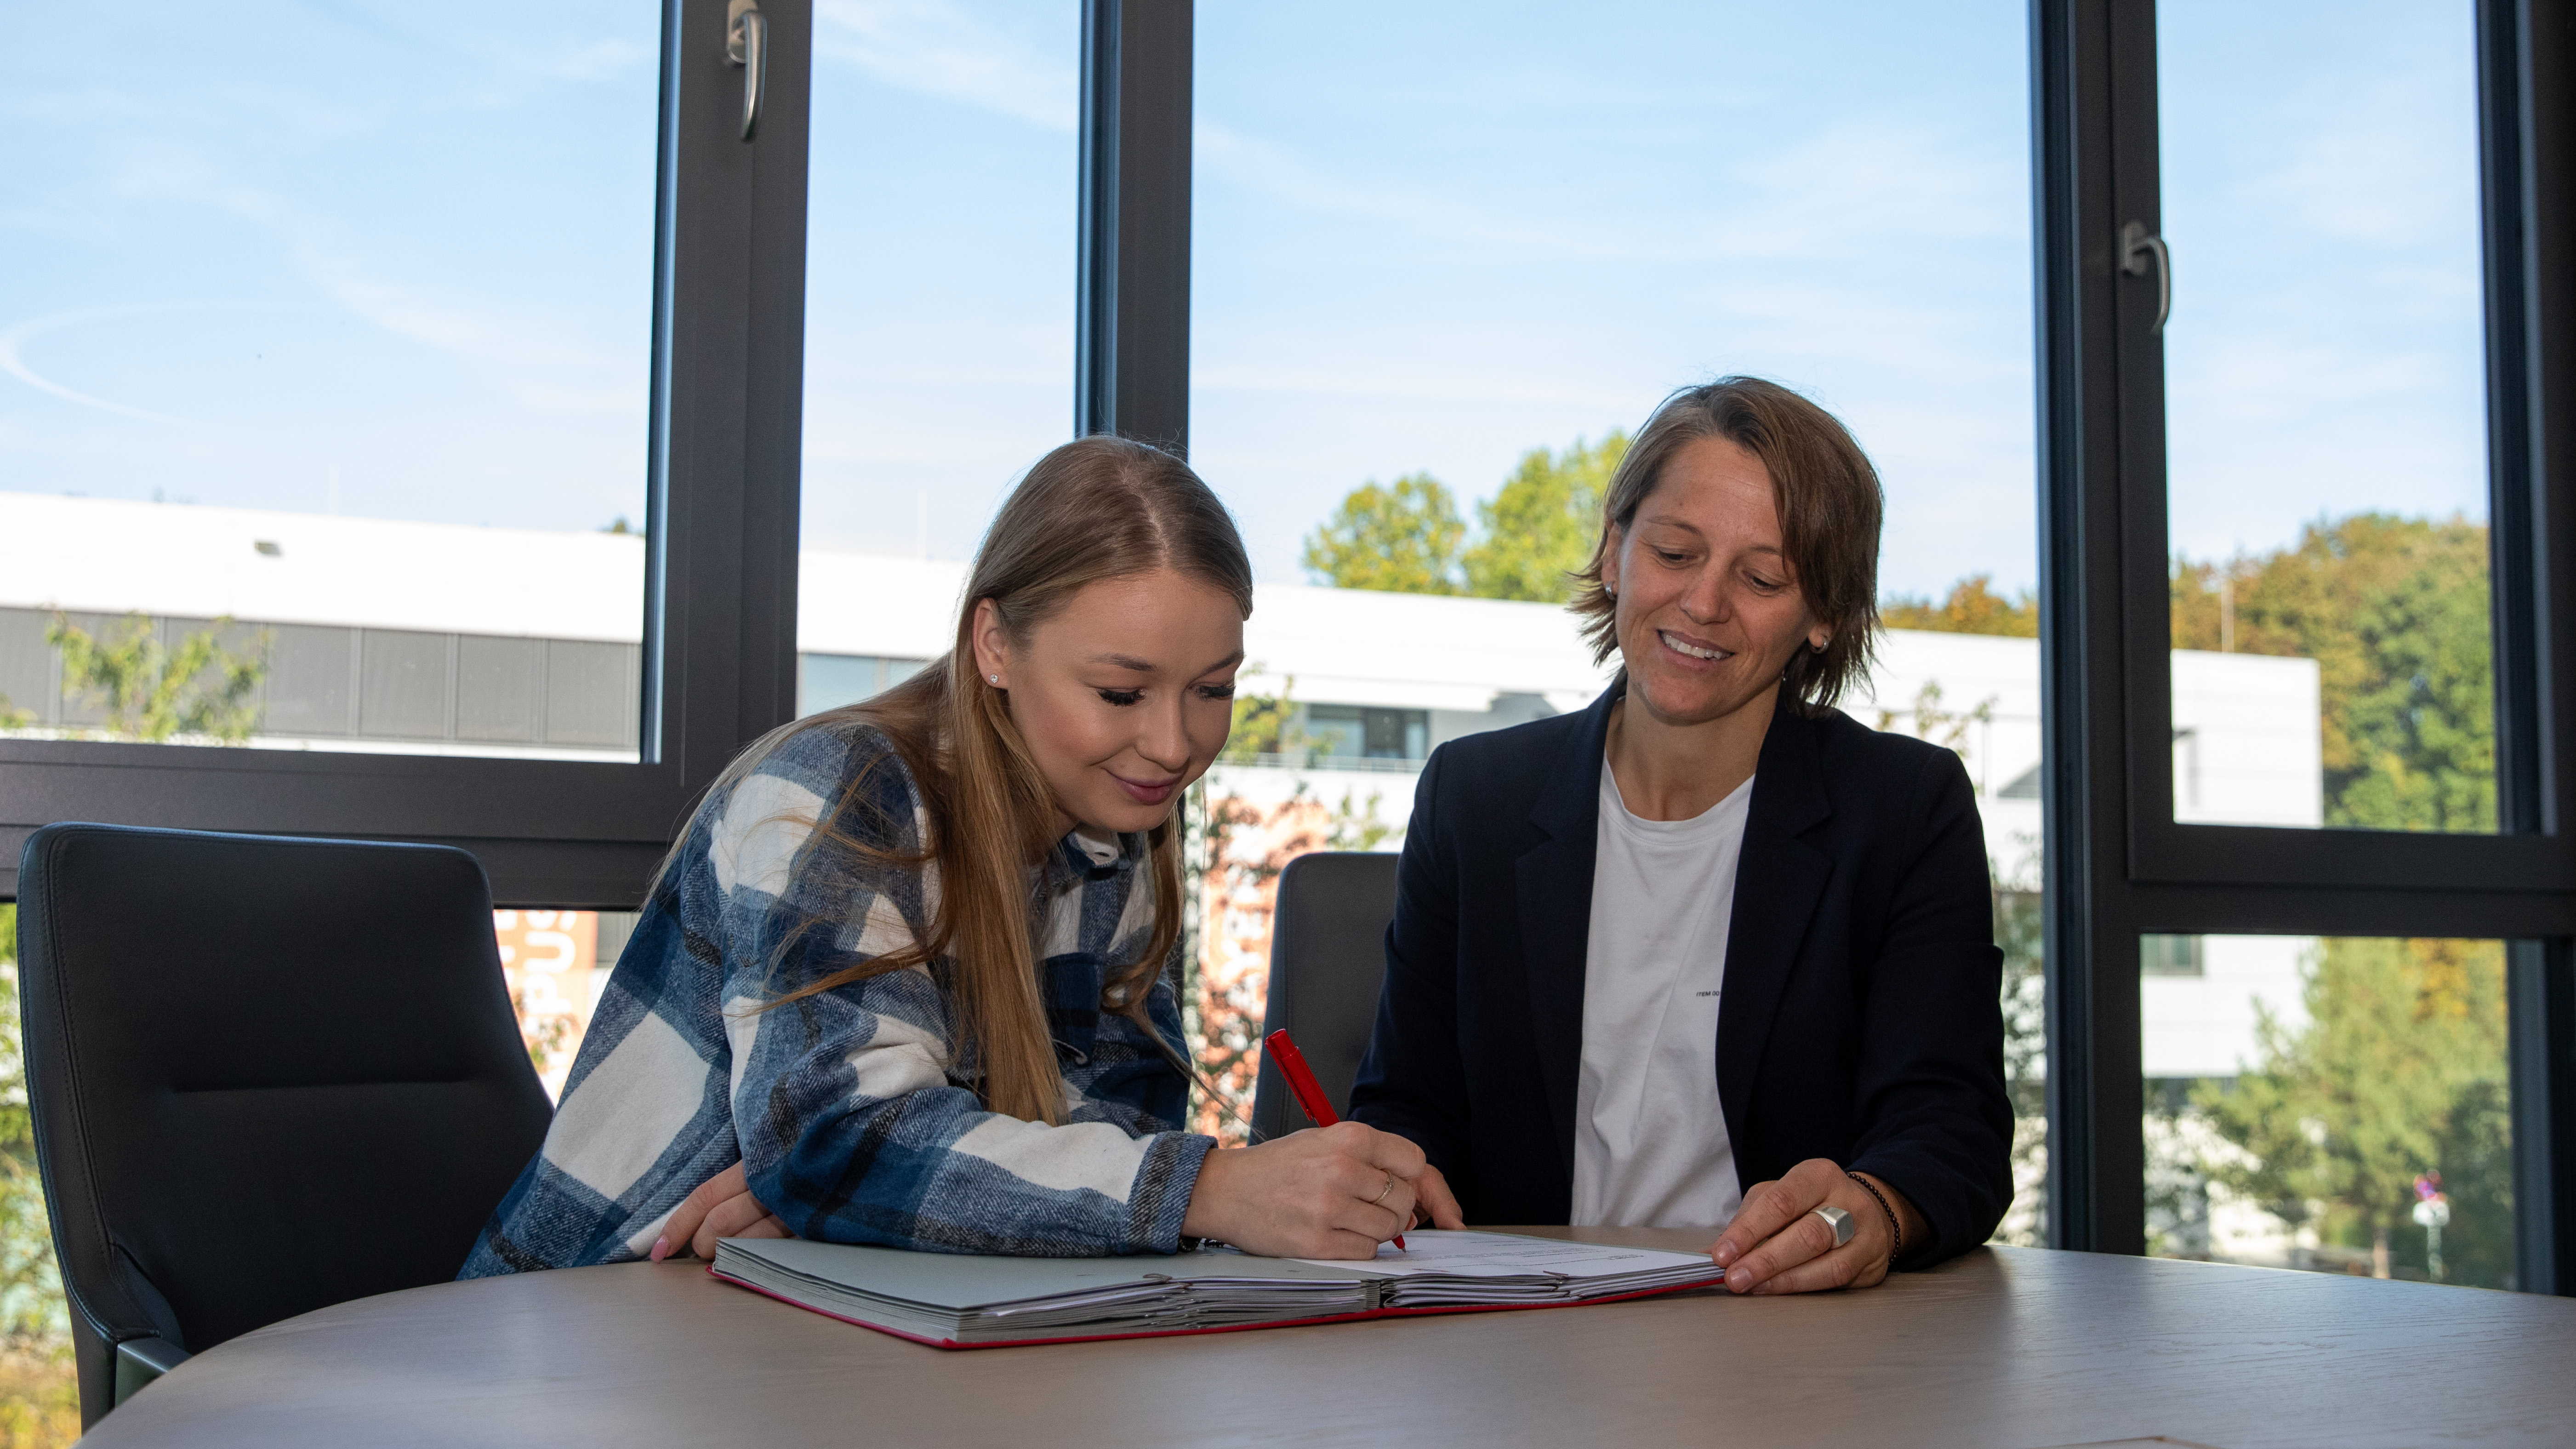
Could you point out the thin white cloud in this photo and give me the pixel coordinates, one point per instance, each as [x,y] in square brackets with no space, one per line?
[1280,172]
[1885,184]
[1410,383]
[596,60]
[940,49]
[542,368]
[13,361]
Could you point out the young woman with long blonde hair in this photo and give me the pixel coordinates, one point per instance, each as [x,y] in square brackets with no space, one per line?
[904,979]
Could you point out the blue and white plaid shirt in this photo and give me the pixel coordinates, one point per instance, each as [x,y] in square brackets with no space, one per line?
[848,1108]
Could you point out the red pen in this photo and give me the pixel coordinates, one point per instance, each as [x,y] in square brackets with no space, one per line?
[1301,1080]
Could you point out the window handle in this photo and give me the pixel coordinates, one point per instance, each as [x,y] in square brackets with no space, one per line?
[747,45]
[2139,246]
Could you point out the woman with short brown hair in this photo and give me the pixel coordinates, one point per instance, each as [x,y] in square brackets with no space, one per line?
[1580,896]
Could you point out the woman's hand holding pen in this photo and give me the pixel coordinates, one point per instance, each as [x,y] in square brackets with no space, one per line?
[1328,1192]
[1779,1243]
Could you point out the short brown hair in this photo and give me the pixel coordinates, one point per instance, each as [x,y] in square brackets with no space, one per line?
[1829,502]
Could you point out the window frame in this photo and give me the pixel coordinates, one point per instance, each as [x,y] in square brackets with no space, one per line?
[2118,865]
[1132,294]
[724,474]
[724,478]
[719,605]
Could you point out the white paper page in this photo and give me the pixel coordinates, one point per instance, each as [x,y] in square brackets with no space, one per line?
[1508,1255]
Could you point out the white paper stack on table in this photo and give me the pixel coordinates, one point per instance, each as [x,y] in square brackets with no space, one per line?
[967,1301]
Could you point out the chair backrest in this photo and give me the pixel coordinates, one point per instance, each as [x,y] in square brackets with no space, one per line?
[266,1075]
[1327,961]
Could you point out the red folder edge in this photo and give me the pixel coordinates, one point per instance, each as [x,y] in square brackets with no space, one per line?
[1713,1282]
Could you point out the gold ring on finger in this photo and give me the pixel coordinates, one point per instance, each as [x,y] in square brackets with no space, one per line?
[1380,1199]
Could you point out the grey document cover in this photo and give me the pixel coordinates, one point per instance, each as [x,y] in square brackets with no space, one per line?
[962,1300]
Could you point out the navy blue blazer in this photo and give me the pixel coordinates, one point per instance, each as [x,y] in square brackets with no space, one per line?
[1861,1020]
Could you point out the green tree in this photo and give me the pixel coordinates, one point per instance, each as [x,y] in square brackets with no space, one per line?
[2021,927]
[1402,539]
[1932,720]
[2394,611]
[39,1398]
[1972,607]
[2399,1071]
[2401,1067]
[1541,527]
[30,1294]
[152,691]
[2021,933]
[1355,824]
[1264,724]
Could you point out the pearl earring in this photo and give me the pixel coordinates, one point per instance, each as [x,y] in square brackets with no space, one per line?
[996,680]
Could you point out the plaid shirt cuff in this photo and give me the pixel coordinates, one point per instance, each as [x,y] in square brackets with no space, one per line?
[1164,1183]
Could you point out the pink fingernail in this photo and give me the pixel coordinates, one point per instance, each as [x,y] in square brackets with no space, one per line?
[661,1248]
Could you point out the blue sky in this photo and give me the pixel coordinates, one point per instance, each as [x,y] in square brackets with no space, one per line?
[251,244]
[257,247]
[2320,194]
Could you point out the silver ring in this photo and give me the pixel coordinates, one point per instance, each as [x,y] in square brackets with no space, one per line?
[1840,1221]
[1380,1199]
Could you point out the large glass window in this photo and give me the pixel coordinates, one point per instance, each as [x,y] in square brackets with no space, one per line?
[2325,404]
[939,339]
[2275,242]
[327,340]
[329,425]
[2337,1104]
[556,965]
[1446,258]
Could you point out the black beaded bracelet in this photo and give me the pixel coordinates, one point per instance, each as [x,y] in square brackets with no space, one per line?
[1895,1229]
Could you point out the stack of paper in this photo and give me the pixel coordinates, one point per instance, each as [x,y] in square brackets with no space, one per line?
[1456,1270]
[963,1301]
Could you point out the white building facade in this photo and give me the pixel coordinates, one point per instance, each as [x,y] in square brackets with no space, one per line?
[429,638]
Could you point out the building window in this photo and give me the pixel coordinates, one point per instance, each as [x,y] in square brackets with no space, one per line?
[1342,732]
[2169,956]
[328,688]
[828,681]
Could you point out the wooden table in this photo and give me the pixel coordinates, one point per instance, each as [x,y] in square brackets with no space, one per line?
[2004,1347]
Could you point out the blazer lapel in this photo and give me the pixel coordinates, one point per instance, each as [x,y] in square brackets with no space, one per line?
[1778,880]
[1554,883]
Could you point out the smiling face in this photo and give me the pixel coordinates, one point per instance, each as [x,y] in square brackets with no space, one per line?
[1709,611]
[1124,695]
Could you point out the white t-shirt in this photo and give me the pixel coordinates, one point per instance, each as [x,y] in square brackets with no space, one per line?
[1650,1146]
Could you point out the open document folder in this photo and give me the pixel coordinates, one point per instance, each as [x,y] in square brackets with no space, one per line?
[961,1301]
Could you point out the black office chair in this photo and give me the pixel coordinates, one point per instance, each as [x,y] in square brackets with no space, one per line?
[267,1075]
[1327,961]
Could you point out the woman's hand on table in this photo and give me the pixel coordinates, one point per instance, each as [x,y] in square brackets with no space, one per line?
[1327,1192]
[722,1207]
[1777,1243]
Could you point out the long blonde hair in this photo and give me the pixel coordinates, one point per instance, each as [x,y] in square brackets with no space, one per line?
[1096,508]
